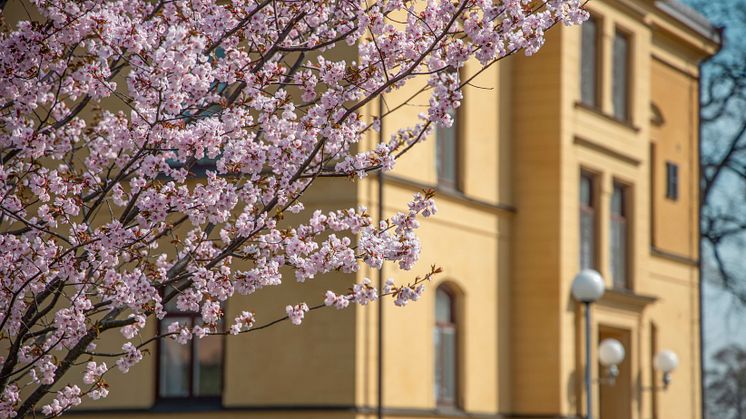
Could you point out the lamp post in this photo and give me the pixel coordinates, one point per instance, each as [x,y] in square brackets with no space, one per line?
[587,288]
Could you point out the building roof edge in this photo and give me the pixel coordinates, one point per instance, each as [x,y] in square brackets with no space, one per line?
[689,17]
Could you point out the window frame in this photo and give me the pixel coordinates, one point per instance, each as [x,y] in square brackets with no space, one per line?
[200,399]
[597,63]
[628,69]
[593,210]
[624,219]
[452,325]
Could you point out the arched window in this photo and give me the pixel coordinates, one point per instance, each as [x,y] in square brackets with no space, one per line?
[444,339]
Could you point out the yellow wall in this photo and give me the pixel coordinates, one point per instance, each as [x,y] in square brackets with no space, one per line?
[674,137]
[535,262]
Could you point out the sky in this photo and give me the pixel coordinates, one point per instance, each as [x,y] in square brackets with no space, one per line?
[724,316]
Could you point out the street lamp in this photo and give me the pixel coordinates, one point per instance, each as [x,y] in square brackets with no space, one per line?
[666,361]
[587,288]
[611,354]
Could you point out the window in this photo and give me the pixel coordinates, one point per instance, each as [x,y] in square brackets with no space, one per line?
[587,221]
[445,347]
[589,63]
[619,232]
[620,76]
[672,181]
[194,370]
[447,154]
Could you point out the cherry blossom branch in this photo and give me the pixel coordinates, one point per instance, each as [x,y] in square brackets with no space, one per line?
[110,216]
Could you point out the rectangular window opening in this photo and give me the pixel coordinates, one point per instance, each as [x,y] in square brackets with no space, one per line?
[619,237]
[672,181]
[620,75]
[587,221]
[193,370]
[447,155]
[589,63]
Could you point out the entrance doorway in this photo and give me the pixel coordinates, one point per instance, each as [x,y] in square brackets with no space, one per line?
[615,400]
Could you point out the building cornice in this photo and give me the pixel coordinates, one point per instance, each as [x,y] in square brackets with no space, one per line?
[597,146]
[690,18]
[626,299]
[658,252]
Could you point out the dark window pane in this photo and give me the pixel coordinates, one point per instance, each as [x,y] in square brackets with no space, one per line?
[620,73]
[617,201]
[672,181]
[191,370]
[619,254]
[618,240]
[587,223]
[586,190]
[448,339]
[442,306]
[437,344]
[208,368]
[175,361]
[589,63]
[587,242]
[447,154]
[444,345]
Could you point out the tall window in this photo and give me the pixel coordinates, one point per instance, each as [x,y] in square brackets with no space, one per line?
[589,63]
[445,347]
[587,221]
[447,154]
[194,370]
[620,76]
[619,235]
[672,181]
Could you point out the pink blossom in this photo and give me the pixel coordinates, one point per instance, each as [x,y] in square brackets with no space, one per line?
[130,331]
[179,332]
[8,401]
[67,397]
[243,322]
[131,356]
[93,372]
[296,313]
[364,292]
[338,301]
[44,371]
[407,294]
[116,216]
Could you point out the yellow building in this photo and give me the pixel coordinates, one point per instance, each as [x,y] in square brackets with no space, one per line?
[582,156]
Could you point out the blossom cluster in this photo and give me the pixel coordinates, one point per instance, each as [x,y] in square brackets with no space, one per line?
[148,147]
[365,292]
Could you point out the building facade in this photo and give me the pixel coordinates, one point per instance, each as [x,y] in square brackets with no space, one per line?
[582,156]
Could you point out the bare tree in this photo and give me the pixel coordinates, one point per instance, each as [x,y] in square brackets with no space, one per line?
[726,384]
[723,150]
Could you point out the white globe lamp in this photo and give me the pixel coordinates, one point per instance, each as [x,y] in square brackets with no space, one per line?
[610,352]
[666,361]
[588,286]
